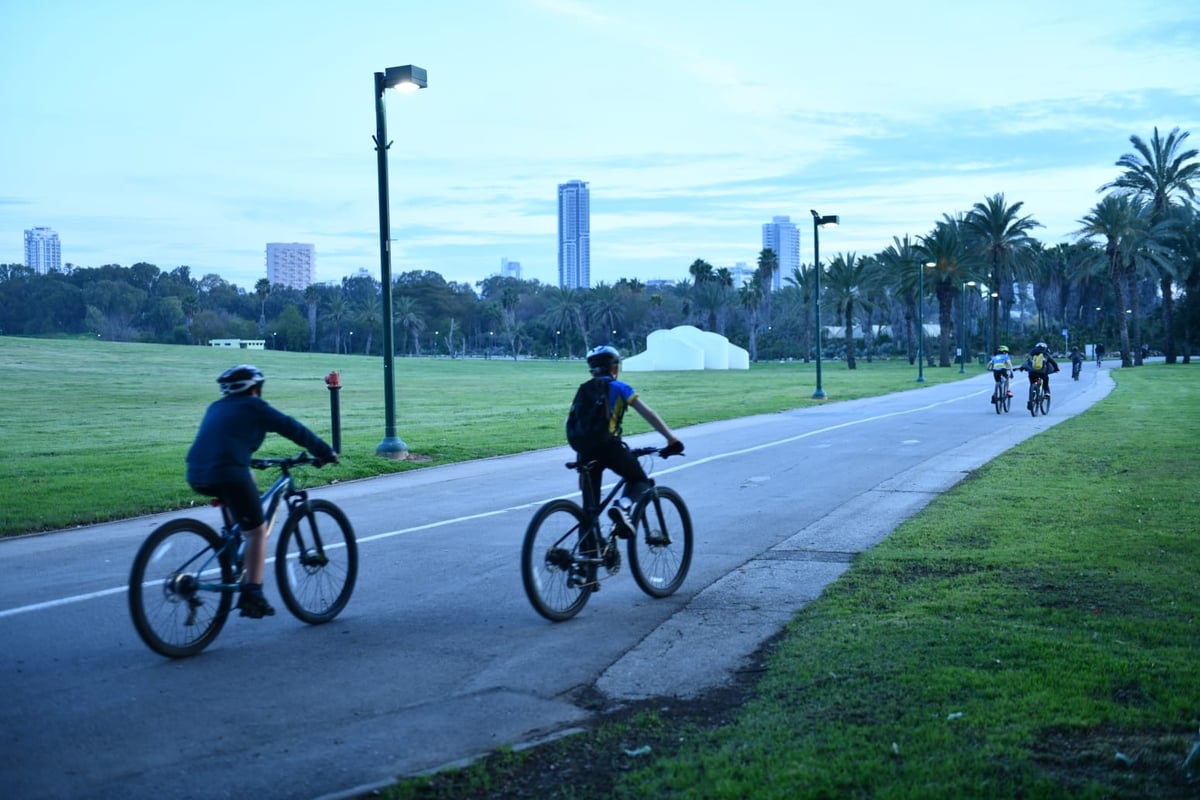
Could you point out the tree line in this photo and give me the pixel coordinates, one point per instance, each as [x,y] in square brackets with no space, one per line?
[1130,280]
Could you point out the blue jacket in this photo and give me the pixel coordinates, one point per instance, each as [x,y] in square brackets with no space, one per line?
[232,429]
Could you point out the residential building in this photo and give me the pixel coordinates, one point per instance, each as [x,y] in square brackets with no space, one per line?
[574,235]
[510,269]
[292,265]
[782,236]
[43,253]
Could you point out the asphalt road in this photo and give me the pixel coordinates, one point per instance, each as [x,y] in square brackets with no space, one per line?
[438,656]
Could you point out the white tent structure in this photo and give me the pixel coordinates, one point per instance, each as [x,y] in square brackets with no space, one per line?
[686,347]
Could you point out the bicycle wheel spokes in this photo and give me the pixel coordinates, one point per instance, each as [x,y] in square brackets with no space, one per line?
[172,612]
[660,552]
[557,584]
[316,562]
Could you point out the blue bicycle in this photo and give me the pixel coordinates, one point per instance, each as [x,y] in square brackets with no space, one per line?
[185,574]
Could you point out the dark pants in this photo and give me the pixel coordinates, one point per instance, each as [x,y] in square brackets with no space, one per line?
[1045,376]
[615,456]
[241,501]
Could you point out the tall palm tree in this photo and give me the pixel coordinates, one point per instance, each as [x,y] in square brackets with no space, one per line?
[900,261]
[606,309]
[337,311]
[943,246]
[1001,236]
[750,298]
[312,297]
[1158,172]
[1115,218]
[263,289]
[803,280]
[407,316]
[845,285]
[564,311]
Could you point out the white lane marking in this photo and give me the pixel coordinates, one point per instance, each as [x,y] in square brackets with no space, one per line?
[79,598]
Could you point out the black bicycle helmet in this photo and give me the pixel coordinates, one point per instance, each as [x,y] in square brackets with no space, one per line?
[600,359]
[241,378]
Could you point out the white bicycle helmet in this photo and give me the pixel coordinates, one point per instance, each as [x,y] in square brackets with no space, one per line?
[600,359]
[241,378]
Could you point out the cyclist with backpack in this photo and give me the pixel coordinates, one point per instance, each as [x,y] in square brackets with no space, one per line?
[1040,365]
[594,431]
[1076,362]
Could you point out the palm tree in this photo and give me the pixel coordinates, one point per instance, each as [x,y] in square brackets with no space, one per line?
[564,311]
[262,288]
[901,260]
[370,317]
[1158,172]
[750,297]
[312,297]
[606,309]
[406,315]
[803,280]
[943,246]
[845,284]
[1114,218]
[1001,237]
[337,312]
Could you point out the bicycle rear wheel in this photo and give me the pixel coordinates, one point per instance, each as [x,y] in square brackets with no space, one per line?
[1045,404]
[660,552]
[316,562]
[172,614]
[555,581]
[997,399]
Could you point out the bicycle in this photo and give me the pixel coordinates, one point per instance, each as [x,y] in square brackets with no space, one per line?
[185,574]
[1039,401]
[1001,396]
[565,549]
[1076,366]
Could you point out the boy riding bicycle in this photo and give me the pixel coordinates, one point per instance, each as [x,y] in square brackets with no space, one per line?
[1040,365]
[218,465]
[1001,365]
[612,453]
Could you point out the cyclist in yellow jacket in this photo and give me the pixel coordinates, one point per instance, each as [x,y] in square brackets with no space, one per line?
[1001,365]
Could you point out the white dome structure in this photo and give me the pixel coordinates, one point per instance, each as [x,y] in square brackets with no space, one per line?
[684,348]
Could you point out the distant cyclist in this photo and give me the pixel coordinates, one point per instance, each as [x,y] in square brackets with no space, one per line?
[1001,365]
[1040,365]
[1076,362]
[1099,354]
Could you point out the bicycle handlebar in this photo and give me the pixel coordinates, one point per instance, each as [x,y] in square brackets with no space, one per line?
[287,463]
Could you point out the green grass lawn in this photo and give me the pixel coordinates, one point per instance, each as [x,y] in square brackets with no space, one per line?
[95,431]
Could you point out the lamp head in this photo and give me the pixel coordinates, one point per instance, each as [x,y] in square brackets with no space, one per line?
[827,221]
[406,78]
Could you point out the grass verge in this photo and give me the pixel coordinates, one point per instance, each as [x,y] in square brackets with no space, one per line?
[1031,634]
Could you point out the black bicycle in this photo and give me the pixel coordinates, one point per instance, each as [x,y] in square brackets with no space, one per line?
[566,553]
[1039,401]
[185,574]
[1075,367]
[1002,394]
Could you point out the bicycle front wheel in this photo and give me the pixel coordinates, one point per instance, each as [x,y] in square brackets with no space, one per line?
[316,562]
[1045,404]
[172,613]
[997,400]
[557,584]
[660,552]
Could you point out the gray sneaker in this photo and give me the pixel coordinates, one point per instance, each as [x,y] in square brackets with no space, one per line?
[622,525]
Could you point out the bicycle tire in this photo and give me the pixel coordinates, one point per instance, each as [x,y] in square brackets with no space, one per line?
[998,401]
[169,612]
[1007,401]
[555,582]
[316,562]
[1045,404]
[1035,402]
[660,552]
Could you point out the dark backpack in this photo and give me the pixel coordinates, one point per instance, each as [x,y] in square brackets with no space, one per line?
[588,419]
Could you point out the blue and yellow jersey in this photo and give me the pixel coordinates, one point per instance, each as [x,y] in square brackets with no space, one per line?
[620,395]
[1001,361]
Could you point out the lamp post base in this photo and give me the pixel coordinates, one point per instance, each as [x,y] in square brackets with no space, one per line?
[819,394]
[391,447]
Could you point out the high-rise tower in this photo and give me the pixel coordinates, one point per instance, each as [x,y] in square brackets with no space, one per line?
[782,236]
[574,235]
[292,265]
[42,251]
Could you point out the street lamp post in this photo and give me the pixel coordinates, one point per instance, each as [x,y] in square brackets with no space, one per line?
[921,319]
[409,78]
[962,324]
[819,222]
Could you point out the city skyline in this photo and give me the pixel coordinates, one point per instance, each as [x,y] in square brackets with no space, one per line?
[692,123]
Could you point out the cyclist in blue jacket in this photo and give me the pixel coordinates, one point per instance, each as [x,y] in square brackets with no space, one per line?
[218,465]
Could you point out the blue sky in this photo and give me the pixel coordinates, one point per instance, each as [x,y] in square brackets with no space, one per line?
[196,132]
